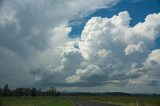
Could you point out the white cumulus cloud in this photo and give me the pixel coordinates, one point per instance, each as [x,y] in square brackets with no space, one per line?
[111,55]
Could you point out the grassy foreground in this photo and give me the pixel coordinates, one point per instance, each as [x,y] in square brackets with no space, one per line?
[34,101]
[127,100]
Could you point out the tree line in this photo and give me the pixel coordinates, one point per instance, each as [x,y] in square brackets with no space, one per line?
[6,91]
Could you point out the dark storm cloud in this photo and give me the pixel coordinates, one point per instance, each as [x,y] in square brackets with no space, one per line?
[1,1]
[154,83]
[28,27]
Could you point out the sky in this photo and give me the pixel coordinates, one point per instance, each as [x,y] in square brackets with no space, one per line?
[81,45]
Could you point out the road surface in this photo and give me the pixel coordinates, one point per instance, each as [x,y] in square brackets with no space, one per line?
[80,102]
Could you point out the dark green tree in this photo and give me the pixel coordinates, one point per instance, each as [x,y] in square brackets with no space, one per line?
[33,92]
[52,91]
[1,92]
[6,91]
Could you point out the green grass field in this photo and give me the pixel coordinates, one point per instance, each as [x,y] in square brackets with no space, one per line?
[62,101]
[127,100]
[34,101]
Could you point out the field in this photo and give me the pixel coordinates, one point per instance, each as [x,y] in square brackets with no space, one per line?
[66,101]
[34,101]
[127,100]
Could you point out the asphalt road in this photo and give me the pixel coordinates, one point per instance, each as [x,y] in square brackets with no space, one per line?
[81,102]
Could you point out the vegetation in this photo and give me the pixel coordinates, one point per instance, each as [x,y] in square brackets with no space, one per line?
[126,100]
[34,101]
[5,92]
[31,97]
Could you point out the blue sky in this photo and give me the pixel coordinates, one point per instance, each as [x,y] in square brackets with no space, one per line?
[137,9]
[46,43]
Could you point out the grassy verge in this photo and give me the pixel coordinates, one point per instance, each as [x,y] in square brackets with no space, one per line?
[127,100]
[34,101]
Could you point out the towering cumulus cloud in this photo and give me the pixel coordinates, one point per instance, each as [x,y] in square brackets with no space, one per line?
[111,52]
[115,53]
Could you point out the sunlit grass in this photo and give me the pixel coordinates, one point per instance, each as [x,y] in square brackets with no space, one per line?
[34,101]
[127,100]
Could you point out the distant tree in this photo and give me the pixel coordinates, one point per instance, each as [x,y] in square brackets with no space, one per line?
[27,92]
[38,92]
[1,92]
[52,92]
[33,92]
[13,93]
[6,90]
[19,92]
[23,91]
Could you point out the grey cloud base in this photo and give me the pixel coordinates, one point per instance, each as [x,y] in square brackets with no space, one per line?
[31,32]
